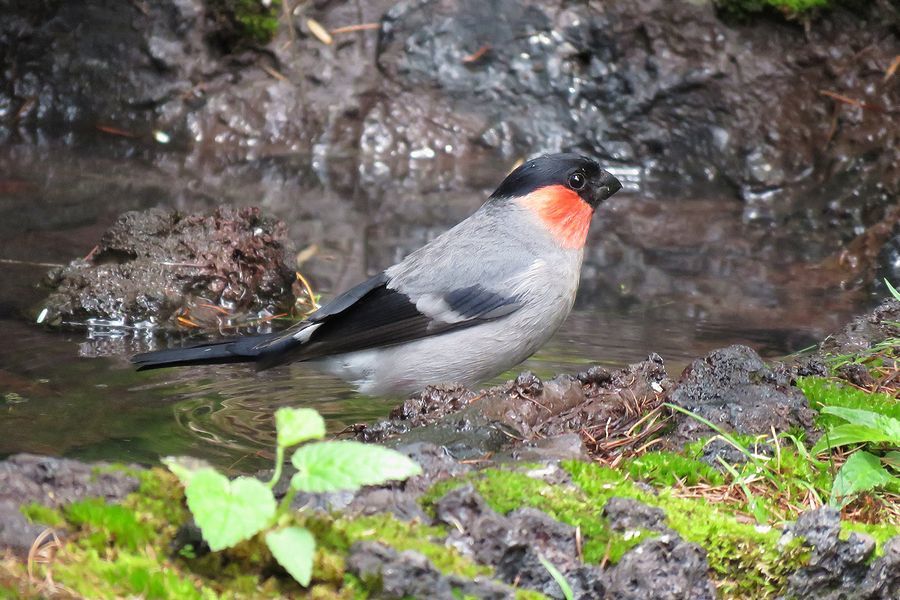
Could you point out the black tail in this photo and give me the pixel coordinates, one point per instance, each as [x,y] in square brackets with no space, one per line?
[232,350]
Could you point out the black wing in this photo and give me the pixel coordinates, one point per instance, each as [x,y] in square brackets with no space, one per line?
[372,315]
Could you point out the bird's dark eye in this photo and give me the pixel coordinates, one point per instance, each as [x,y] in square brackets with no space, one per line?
[576,181]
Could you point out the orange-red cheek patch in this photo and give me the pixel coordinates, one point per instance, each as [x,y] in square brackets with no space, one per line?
[563,212]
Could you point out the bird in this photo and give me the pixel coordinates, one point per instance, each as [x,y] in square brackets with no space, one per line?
[472,303]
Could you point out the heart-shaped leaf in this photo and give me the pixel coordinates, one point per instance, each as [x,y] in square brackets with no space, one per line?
[293,548]
[345,465]
[296,425]
[861,473]
[228,512]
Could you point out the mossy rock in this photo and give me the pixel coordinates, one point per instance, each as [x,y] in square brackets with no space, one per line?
[786,7]
[243,22]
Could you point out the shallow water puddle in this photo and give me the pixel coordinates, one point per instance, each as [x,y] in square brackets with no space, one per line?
[657,278]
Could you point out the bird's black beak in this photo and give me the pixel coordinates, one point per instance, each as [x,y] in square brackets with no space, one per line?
[605,185]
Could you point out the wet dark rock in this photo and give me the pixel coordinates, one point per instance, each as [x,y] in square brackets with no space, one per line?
[666,568]
[810,366]
[467,434]
[734,389]
[628,514]
[476,530]
[401,499]
[882,582]
[61,73]
[432,403]
[54,482]
[888,263]
[565,446]
[866,330]
[662,568]
[857,374]
[26,478]
[654,82]
[394,575]
[514,543]
[152,267]
[837,569]
[16,532]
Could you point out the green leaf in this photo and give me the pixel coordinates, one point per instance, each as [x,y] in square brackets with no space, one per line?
[293,548]
[296,425]
[558,577]
[888,426]
[892,289]
[228,512]
[861,473]
[846,435]
[345,465]
[892,459]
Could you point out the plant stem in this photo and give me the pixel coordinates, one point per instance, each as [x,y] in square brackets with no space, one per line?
[285,505]
[279,463]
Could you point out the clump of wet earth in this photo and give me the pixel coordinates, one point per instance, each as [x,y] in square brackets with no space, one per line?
[161,269]
[528,416]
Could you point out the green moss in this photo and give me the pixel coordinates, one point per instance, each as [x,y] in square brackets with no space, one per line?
[246,19]
[668,468]
[880,532]
[94,576]
[821,392]
[341,533]
[529,595]
[109,524]
[160,497]
[506,490]
[746,561]
[788,7]
[38,513]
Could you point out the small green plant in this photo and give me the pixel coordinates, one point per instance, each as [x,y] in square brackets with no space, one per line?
[558,577]
[231,511]
[866,470]
[787,7]
[790,474]
[894,292]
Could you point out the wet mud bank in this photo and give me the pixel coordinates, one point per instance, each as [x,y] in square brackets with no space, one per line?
[598,474]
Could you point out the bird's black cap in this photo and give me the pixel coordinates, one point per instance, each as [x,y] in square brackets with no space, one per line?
[574,171]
